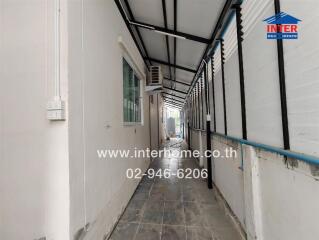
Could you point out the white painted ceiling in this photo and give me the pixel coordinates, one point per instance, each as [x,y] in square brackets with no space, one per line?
[196,17]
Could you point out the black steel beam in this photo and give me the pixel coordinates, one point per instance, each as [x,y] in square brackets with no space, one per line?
[171,65]
[184,83]
[175,90]
[241,70]
[173,95]
[127,23]
[222,56]
[217,29]
[282,84]
[176,100]
[170,32]
[137,29]
[172,104]
[166,37]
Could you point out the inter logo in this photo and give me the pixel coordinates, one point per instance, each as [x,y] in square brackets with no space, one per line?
[282,26]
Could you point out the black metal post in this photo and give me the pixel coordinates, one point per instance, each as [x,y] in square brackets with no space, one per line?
[198,107]
[208,137]
[213,92]
[282,84]
[222,54]
[241,71]
[189,136]
[202,103]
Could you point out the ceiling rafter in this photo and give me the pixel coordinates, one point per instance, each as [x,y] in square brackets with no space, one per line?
[128,25]
[183,83]
[170,94]
[172,65]
[215,35]
[174,90]
[173,104]
[166,37]
[137,29]
[172,33]
[211,43]
[176,100]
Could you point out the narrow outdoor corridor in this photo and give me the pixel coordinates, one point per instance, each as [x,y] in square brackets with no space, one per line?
[174,209]
[159,120]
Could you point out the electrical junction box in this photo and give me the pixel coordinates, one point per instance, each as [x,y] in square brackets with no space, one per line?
[56,110]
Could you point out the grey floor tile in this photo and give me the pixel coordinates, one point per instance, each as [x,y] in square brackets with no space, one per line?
[124,231]
[148,232]
[157,196]
[174,209]
[174,233]
[136,204]
[189,196]
[131,215]
[174,217]
[173,206]
[198,233]
[144,188]
[155,217]
[140,196]
[193,215]
[217,220]
[154,205]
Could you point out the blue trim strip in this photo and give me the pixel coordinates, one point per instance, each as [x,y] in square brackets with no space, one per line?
[231,17]
[299,156]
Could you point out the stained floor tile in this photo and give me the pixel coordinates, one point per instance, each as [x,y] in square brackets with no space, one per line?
[177,209]
[174,233]
[198,233]
[148,232]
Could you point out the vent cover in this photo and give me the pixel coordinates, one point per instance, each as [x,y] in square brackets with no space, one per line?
[156,77]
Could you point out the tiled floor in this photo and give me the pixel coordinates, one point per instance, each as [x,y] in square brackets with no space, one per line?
[174,209]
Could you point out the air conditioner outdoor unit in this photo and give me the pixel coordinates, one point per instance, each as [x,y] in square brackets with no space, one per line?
[155,80]
[156,76]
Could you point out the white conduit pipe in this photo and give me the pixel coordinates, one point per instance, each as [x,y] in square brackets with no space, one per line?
[57,49]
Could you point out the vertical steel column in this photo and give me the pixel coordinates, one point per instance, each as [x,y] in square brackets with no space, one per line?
[198,110]
[193,110]
[208,137]
[282,84]
[239,28]
[158,131]
[202,102]
[222,54]
[213,91]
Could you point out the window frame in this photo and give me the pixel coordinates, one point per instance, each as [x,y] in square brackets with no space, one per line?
[140,78]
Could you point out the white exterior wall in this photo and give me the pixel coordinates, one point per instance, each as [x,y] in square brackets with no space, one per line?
[228,176]
[233,102]
[34,167]
[99,187]
[219,107]
[289,198]
[301,67]
[261,80]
